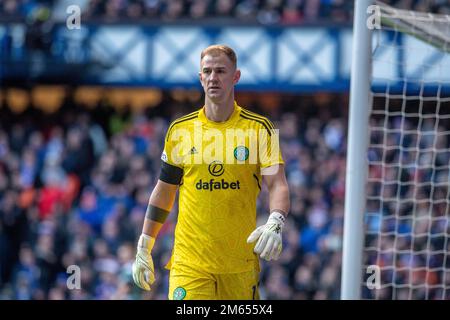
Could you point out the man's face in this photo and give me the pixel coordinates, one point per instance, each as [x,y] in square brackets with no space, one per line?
[218,76]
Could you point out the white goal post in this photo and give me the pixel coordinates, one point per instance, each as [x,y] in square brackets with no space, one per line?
[397,205]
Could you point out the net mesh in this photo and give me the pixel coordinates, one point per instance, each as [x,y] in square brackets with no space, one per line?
[407,223]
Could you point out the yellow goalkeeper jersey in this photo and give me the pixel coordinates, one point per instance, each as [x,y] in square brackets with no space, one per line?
[221,164]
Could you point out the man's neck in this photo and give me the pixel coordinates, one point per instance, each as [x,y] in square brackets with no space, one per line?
[219,112]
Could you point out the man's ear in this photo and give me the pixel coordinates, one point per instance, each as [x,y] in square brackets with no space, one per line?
[200,78]
[237,76]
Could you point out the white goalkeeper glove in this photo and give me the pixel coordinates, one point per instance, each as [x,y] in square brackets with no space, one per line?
[143,269]
[269,242]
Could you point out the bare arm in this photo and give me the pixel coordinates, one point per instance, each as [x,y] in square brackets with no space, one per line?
[278,189]
[159,206]
[268,236]
[162,197]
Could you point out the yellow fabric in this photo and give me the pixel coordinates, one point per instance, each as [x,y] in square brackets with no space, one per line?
[186,283]
[218,192]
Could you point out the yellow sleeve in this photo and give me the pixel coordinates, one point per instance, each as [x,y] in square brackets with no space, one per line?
[269,147]
[173,146]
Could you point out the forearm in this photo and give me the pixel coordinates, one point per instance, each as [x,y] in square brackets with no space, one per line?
[159,206]
[279,198]
[268,236]
[151,227]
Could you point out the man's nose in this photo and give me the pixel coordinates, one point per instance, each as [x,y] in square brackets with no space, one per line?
[213,75]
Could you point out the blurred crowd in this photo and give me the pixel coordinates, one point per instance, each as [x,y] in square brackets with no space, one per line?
[408,223]
[74,187]
[267,12]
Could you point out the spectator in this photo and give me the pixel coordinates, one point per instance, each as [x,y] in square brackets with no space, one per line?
[264,11]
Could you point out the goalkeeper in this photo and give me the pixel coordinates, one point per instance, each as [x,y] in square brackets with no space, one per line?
[217,243]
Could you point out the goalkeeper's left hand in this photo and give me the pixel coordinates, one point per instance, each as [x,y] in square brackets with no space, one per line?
[269,242]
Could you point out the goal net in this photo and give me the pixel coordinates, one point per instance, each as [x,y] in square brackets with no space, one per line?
[407,229]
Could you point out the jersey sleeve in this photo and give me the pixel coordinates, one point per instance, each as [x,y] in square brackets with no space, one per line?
[269,147]
[171,158]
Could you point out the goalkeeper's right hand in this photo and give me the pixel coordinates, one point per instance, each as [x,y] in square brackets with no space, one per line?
[143,269]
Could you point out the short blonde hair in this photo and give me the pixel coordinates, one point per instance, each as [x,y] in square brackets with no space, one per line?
[218,49]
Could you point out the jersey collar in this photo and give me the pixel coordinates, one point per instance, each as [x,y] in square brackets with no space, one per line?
[234,117]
